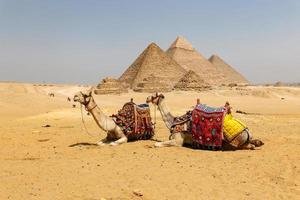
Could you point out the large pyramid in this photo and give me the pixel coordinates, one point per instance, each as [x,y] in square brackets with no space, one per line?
[232,76]
[153,61]
[191,81]
[190,59]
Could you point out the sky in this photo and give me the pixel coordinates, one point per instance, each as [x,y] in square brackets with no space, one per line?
[83,41]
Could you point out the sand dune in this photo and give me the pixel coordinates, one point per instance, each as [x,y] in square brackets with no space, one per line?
[38,162]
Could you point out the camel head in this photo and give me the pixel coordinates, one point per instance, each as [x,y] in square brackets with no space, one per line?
[227,107]
[155,99]
[83,97]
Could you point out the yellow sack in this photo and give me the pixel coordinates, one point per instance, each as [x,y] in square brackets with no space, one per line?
[232,127]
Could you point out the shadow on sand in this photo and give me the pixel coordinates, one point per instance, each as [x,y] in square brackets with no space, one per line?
[83,144]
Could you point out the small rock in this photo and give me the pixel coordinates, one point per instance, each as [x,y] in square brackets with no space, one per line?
[46,126]
[137,193]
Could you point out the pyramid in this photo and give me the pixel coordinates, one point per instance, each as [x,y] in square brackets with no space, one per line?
[152,84]
[155,62]
[191,81]
[190,59]
[232,76]
[110,86]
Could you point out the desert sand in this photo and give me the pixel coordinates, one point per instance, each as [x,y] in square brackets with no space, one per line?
[57,162]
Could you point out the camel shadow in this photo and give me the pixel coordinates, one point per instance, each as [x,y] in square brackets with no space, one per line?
[82,144]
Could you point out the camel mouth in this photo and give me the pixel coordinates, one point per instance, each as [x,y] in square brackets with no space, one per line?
[148,100]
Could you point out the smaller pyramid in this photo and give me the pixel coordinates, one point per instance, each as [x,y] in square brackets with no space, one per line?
[152,84]
[110,86]
[231,75]
[191,81]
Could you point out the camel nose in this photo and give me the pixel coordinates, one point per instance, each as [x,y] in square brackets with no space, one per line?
[148,100]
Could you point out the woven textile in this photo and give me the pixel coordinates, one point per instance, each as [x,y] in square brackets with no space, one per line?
[232,127]
[207,125]
[135,121]
[182,123]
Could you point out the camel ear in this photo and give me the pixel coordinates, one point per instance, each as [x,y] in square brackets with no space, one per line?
[91,90]
[156,94]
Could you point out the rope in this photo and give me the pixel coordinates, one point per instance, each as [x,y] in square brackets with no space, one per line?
[84,125]
[154,124]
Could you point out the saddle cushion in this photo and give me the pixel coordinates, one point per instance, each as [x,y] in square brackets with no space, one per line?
[135,121]
[232,127]
[207,125]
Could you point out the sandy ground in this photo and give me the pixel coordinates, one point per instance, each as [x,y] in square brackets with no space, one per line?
[39,163]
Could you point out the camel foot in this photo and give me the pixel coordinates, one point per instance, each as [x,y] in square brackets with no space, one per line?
[249,146]
[257,143]
[113,144]
[169,143]
[100,143]
[158,144]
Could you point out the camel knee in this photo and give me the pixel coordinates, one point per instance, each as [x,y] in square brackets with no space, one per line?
[248,146]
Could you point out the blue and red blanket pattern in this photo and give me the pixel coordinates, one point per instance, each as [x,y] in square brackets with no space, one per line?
[207,127]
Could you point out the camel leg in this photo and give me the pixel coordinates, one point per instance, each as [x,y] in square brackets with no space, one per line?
[248,146]
[119,141]
[168,143]
[102,142]
[177,141]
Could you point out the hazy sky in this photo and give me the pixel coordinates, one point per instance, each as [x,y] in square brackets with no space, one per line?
[72,41]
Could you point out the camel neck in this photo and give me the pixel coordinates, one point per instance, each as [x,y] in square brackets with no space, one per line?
[165,113]
[100,118]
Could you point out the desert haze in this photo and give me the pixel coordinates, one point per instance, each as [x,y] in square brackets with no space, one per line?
[47,154]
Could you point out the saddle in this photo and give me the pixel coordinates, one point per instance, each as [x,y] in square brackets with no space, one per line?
[207,127]
[182,123]
[135,121]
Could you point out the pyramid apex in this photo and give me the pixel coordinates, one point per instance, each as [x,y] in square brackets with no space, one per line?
[181,42]
[152,45]
[215,57]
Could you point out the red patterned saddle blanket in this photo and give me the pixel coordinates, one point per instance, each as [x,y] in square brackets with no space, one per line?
[135,121]
[182,123]
[207,127]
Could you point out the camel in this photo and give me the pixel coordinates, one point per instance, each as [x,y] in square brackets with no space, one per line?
[185,137]
[51,94]
[115,135]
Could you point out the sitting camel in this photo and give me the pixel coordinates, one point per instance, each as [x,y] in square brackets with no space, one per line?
[115,135]
[180,138]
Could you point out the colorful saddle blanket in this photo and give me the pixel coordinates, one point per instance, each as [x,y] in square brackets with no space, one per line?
[207,127]
[181,123]
[135,121]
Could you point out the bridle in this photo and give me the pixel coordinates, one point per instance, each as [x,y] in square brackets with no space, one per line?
[157,98]
[86,101]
